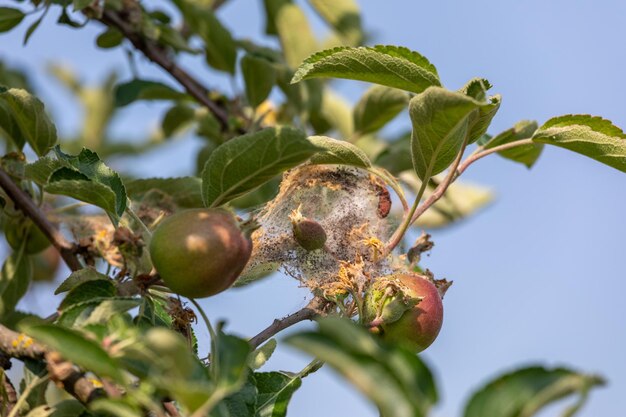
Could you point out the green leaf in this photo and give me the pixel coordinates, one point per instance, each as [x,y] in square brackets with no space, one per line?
[179,360]
[126,93]
[523,393]
[377,107]
[477,88]
[208,126]
[153,313]
[110,308]
[177,117]
[165,357]
[81,4]
[259,76]
[185,191]
[76,314]
[479,122]
[8,126]
[333,113]
[75,347]
[396,380]
[441,123]
[259,196]
[343,15]
[294,93]
[118,407]
[9,18]
[220,47]
[110,38]
[296,36]
[271,10]
[526,154]
[270,54]
[338,152]
[87,291]
[12,320]
[396,157]
[230,364]
[261,355]
[93,182]
[40,170]
[591,136]
[246,162]
[29,116]
[275,390]
[240,404]
[33,27]
[172,37]
[87,191]
[68,408]
[391,66]
[15,277]
[66,20]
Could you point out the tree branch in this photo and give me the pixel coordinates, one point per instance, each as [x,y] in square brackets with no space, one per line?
[311,311]
[9,389]
[155,53]
[73,381]
[28,206]
[171,409]
[20,346]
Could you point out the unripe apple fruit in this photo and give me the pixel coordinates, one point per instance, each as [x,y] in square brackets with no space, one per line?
[393,314]
[308,233]
[199,252]
[45,264]
[23,229]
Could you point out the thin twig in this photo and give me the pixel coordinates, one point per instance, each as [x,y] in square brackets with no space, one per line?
[26,392]
[476,156]
[441,189]
[28,206]
[171,409]
[410,217]
[310,312]
[452,175]
[455,171]
[155,53]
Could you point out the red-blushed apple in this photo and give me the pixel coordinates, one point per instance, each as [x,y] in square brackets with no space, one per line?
[405,308]
[199,252]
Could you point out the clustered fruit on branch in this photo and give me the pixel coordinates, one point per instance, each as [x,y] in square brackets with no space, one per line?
[335,249]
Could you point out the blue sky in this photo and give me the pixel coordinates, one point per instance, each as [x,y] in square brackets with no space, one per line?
[539,275]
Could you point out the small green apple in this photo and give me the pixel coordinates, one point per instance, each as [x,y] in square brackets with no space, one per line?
[23,229]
